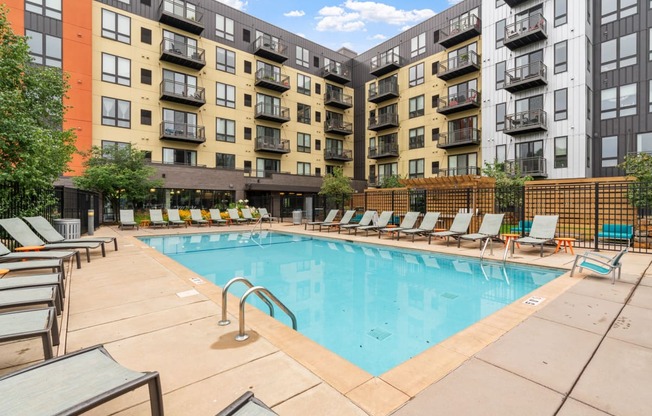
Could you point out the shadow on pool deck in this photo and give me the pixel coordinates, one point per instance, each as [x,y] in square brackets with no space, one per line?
[587,348]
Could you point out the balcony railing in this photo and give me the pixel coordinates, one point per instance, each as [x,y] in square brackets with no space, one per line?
[514,3]
[178,92]
[532,166]
[388,149]
[468,100]
[271,144]
[272,112]
[383,121]
[386,63]
[526,122]
[459,65]
[460,30]
[181,53]
[336,72]
[338,155]
[272,80]
[383,91]
[457,138]
[182,132]
[467,170]
[338,99]
[270,48]
[527,76]
[182,15]
[373,181]
[337,126]
[525,31]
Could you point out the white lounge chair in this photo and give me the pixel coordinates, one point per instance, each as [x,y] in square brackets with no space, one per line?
[459,226]
[266,216]
[383,220]
[216,217]
[127,219]
[31,323]
[346,218]
[428,223]
[196,218]
[175,219]
[542,232]
[52,236]
[235,216]
[246,214]
[366,219]
[156,219]
[408,223]
[329,218]
[489,229]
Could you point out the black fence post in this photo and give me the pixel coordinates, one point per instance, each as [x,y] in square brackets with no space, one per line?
[522,208]
[596,215]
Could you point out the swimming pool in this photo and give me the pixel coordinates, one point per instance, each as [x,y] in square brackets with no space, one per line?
[372,305]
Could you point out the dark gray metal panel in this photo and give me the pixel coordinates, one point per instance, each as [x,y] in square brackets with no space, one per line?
[40,23]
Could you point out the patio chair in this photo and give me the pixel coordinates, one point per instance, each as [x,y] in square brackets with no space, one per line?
[247,404]
[52,236]
[246,214]
[55,265]
[19,231]
[7,256]
[127,219]
[542,232]
[459,227]
[156,219]
[407,224]
[29,296]
[266,216]
[599,263]
[216,217]
[74,383]
[31,323]
[329,218]
[346,218]
[235,216]
[175,219]
[428,223]
[366,219]
[383,221]
[196,218]
[489,229]
[36,280]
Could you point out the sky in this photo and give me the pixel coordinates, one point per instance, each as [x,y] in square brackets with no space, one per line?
[354,24]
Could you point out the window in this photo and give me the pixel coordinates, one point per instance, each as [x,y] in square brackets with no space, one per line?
[247,100]
[561,11]
[435,101]
[52,8]
[246,35]
[649,96]
[608,54]
[609,151]
[561,57]
[608,103]
[610,9]
[500,116]
[500,33]
[145,76]
[416,168]
[303,168]
[180,123]
[112,145]
[179,157]
[247,133]
[386,170]
[627,100]
[435,68]
[561,104]
[417,138]
[225,95]
[116,70]
[180,45]
[180,84]
[303,84]
[589,102]
[589,54]
[116,112]
[224,161]
[501,153]
[318,116]
[317,144]
[223,27]
[434,166]
[417,74]
[145,117]
[418,45]
[303,142]
[44,50]
[627,52]
[317,88]
[530,155]
[465,164]
[303,57]
[225,130]
[435,36]
[145,35]
[225,60]
[500,75]
[303,113]
[464,92]
[434,133]
[618,102]
[247,67]
[315,61]
[416,106]
[116,26]
[644,143]
[561,152]
[264,167]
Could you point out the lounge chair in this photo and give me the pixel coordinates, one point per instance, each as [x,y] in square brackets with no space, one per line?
[489,229]
[156,219]
[383,220]
[407,224]
[542,232]
[329,218]
[20,232]
[51,235]
[623,232]
[31,323]
[247,404]
[266,216]
[234,216]
[346,218]
[55,265]
[37,280]
[366,219]
[216,217]
[74,383]
[599,263]
[246,214]
[196,218]
[127,219]
[29,296]
[428,223]
[7,256]
[459,227]
[175,219]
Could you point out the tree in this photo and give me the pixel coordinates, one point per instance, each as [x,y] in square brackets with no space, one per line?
[508,185]
[118,172]
[336,187]
[640,167]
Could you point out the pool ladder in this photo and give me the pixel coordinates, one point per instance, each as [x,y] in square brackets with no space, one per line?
[260,291]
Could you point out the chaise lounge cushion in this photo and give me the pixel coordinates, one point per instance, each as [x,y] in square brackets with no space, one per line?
[616,231]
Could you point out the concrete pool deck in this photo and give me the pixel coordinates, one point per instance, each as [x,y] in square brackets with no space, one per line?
[586,349]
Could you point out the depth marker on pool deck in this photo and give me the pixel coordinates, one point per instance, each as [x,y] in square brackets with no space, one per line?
[534,300]
[197,280]
[187,293]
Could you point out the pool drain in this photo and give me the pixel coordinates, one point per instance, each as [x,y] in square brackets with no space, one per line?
[379,334]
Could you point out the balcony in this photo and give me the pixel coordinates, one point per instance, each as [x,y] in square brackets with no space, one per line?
[338,99]
[383,121]
[336,72]
[467,170]
[337,126]
[338,155]
[182,132]
[383,91]
[532,166]
[526,122]
[271,144]
[182,54]
[270,48]
[514,3]
[178,92]
[463,64]
[452,104]
[386,63]
[272,80]
[182,15]
[525,31]
[460,30]
[525,77]
[383,150]
[458,138]
[272,112]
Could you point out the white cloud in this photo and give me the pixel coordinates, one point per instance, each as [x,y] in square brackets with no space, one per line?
[336,19]
[379,12]
[294,13]
[404,28]
[331,11]
[303,35]
[236,4]
[454,2]
[378,36]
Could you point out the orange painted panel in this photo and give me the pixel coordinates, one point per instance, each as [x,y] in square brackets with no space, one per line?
[16,15]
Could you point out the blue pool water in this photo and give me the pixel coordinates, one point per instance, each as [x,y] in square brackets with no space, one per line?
[372,305]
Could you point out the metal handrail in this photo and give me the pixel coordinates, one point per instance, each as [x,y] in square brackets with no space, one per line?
[224,321]
[257,289]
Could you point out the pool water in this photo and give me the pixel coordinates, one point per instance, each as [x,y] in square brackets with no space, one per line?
[374,306]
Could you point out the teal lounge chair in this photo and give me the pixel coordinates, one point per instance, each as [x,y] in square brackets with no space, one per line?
[407,224]
[428,223]
[346,218]
[196,218]
[216,217]
[52,236]
[329,218]
[459,227]
[175,219]
[127,219]
[366,219]
[599,263]
[156,219]
[383,221]
[542,232]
